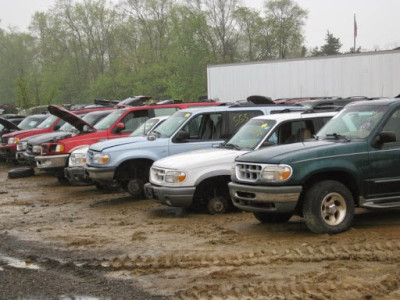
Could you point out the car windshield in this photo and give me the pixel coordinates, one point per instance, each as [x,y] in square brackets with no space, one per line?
[145,127]
[47,122]
[169,126]
[250,134]
[354,122]
[109,120]
[30,122]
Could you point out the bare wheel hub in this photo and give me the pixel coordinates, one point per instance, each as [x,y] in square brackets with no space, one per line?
[333,209]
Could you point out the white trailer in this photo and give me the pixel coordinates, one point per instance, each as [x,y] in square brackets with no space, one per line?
[371,74]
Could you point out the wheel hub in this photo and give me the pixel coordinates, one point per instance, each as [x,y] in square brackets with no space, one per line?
[333,209]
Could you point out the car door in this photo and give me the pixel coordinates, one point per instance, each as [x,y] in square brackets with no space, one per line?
[384,162]
[200,132]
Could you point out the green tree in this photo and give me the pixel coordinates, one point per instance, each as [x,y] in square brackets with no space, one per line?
[331,47]
[286,20]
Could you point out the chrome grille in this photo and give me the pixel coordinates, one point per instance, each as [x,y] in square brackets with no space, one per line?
[157,175]
[248,172]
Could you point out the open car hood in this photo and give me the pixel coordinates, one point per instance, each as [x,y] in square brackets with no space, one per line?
[69,117]
[8,125]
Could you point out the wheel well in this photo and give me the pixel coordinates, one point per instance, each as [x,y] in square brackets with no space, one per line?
[206,188]
[134,168]
[345,178]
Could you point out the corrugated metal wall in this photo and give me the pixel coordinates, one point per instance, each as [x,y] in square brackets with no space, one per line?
[375,74]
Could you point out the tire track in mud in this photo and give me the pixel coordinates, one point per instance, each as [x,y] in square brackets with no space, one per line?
[316,285]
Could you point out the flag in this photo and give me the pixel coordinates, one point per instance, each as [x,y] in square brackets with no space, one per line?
[355,26]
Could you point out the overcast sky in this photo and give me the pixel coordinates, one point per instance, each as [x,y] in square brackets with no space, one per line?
[377,20]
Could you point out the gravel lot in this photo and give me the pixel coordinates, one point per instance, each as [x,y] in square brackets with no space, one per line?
[68,242]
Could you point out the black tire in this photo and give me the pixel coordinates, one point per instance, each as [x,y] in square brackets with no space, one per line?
[217,205]
[135,187]
[328,207]
[269,218]
[21,172]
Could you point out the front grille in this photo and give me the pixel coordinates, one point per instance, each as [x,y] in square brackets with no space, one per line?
[157,175]
[29,148]
[248,172]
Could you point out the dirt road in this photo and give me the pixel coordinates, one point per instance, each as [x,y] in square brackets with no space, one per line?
[81,230]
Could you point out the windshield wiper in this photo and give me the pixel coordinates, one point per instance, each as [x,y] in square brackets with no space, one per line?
[232,146]
[338,137]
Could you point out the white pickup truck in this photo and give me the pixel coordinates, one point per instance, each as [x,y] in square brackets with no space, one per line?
[199,179]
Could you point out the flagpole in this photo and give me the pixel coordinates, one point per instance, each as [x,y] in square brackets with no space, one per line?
[355,32]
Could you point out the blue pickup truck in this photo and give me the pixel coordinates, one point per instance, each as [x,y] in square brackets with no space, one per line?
[127,161]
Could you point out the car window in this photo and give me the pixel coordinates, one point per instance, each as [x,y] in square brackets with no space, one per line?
[166,111]
[204,127]
[393,124]
[134,119]
[47,122]
[237,118]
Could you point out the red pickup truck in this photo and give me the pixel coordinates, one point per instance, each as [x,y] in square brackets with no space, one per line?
[119,123]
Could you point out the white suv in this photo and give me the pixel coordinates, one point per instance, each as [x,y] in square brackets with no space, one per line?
[199,179]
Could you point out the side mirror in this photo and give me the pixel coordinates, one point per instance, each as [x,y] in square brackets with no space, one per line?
[182,136]
[120,127]
[56,127]
[385,137]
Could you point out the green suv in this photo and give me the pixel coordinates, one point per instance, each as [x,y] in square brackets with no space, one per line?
[352,162]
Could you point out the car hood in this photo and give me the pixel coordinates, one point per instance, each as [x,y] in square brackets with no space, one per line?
[117,143]
[292,153]
[69,117]
[50,137]
[8,125]
[199,158]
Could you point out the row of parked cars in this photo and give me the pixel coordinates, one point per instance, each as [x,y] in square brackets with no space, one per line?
[273,160]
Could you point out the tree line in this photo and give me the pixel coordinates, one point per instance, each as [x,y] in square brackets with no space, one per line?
[79,51]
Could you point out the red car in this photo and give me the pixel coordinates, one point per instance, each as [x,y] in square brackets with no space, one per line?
[119,123]
[44,123]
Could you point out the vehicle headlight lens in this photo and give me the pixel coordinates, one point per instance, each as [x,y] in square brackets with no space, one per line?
[276,173]
[37,149]
[60,148]
[101,158]
[233,172]
[22,146]
[77,159]
[13,140]
[175,176]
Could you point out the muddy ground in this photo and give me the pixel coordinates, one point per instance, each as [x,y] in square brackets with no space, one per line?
[110,246]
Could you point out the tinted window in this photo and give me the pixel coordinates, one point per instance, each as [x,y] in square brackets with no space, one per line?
[237,118]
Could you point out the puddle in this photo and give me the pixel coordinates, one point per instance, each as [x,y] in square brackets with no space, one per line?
[17,263]
[63,297]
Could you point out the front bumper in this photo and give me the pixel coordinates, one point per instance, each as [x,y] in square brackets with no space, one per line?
[171,196]
[77,175]
[52,163]
[8,151]
[104,175]
[26,158]
[280,199]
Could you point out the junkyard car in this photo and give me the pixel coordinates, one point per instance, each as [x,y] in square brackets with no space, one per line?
[199,179]
[120,123]
[75,172]
[353,162]
[30,147]
[128,161]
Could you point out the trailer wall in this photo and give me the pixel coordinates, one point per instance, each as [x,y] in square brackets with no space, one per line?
[373,74]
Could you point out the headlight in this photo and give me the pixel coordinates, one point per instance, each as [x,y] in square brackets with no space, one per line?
[60,148]
[13,140]
[175,176]
[22,146]
[101,158]
[37,149]
[77,159]
[276,173]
